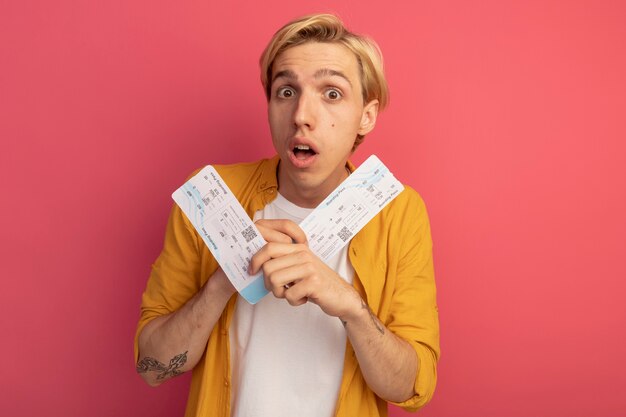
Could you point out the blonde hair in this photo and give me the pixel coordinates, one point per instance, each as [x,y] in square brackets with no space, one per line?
[329,28]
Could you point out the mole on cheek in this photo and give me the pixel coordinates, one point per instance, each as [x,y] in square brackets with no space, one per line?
[333,125]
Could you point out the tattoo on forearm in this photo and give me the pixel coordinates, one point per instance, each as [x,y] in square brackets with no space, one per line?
[377,323]
[165,372]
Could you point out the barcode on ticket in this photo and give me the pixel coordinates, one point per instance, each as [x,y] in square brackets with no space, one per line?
[248,234]
[344,234]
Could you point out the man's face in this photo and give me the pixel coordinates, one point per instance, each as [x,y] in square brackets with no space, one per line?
[316,110]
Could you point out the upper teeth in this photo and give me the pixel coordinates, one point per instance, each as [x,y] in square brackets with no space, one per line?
[303,147]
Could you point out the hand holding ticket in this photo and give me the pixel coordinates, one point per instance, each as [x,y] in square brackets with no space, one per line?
[233,239]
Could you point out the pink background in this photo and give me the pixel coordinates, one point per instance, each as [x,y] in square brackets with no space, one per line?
[508,117]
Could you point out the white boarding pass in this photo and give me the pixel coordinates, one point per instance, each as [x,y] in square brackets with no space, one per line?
[233,239]
[350,207]
[225,228]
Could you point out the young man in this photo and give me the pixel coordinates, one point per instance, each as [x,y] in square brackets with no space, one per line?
[339,339]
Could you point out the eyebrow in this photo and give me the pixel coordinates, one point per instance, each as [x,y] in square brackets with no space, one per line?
[290,75]
[326,72]
[320,73]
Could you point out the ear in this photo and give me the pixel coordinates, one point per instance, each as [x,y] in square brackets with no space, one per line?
[368,118]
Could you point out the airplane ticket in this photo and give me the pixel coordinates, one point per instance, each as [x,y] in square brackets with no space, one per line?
[350,207]
[233,239]
[225,227]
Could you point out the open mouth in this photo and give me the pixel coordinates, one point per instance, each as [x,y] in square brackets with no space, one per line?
[303,152]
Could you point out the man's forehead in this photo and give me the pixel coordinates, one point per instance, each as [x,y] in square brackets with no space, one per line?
[319,59]
[320,73]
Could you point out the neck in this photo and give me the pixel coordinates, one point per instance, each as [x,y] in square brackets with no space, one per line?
[308,195]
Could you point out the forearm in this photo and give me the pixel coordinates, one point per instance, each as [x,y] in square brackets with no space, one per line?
[389,364]
[174,343]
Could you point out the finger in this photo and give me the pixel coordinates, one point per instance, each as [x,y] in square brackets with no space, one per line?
[279,292]
[285,261]
[279,280]
[299,293]
[286,227]
[272,235]
[270,251]
[269,280]
[293,299]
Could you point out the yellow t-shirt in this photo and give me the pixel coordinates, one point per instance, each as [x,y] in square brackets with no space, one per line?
[392,259]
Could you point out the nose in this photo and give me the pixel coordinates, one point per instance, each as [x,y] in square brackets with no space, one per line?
[304,112]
